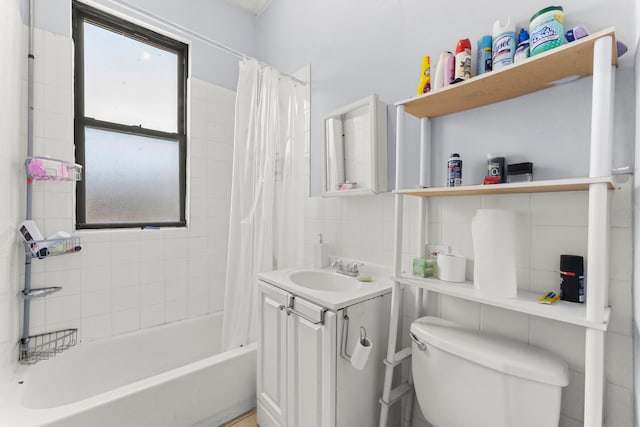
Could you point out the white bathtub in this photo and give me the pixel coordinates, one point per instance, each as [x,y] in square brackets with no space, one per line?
[172,375]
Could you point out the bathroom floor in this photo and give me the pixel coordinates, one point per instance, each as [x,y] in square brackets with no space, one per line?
[247,419]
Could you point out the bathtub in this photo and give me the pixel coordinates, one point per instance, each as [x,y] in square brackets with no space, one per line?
[172,375]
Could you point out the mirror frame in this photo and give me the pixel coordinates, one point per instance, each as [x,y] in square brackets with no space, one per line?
[378,148]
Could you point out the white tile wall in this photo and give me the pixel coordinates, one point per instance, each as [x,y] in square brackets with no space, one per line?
[12,36]
[548,225]
[125,280]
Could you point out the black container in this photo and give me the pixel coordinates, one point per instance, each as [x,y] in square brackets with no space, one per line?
[572,278]
[495,167]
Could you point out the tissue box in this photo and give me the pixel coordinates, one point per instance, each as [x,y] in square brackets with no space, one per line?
[424,267]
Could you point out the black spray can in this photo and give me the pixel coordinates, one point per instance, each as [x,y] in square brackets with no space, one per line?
[572,278]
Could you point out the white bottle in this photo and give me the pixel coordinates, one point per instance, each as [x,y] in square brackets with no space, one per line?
[321,254]
[438,77]
[504,43]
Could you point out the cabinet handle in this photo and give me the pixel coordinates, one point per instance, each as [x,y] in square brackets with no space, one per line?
[297,313]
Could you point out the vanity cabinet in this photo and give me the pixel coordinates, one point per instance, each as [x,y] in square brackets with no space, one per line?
[305,377]
[296,361]
[594,56]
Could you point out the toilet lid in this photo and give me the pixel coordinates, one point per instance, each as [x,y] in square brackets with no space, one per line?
[499,353]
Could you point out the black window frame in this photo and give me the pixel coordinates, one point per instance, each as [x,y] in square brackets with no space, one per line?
[81,13]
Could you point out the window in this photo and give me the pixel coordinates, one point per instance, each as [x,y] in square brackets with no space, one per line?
[130,138]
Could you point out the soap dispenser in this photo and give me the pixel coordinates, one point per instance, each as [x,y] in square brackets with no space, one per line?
[321,254]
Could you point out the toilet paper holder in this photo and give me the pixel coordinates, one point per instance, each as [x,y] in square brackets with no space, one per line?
[345,336]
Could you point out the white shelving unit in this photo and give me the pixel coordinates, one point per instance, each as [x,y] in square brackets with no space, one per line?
[595,56]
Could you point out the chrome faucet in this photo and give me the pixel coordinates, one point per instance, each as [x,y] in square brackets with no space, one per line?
[348,269]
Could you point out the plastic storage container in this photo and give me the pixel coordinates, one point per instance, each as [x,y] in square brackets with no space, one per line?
[546,29]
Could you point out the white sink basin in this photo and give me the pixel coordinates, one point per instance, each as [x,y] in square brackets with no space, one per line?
[324,281]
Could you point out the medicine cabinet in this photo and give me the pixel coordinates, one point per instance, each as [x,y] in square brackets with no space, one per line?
[355,149]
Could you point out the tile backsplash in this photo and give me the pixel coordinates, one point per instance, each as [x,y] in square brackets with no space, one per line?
[548,225]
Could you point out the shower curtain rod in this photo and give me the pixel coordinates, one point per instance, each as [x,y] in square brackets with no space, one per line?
[211,42]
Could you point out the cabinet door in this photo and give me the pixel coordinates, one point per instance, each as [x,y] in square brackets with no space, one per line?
[311,383]
[272,357]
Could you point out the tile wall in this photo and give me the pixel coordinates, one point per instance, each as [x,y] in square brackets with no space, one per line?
[548,225]
[11,179]
[125,280]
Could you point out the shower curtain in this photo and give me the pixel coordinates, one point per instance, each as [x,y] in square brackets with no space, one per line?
[266,213]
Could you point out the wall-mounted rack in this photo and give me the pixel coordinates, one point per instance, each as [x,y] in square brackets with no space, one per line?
[47,169]
[33,348]
[43,346]
[52,247]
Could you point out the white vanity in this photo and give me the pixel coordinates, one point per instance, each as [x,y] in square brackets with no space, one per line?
[310,322]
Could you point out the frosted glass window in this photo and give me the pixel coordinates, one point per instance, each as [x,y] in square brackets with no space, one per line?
[131,179]
[129,82]
[130,123]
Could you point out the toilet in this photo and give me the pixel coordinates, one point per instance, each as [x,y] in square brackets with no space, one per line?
[464,378]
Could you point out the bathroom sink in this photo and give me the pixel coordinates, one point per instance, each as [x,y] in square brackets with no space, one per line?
[324,281]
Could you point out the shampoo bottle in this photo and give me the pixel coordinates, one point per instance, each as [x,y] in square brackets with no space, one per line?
[504,44]
[438,78]
[321,254]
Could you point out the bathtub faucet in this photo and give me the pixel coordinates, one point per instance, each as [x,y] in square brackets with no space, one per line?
[348,269]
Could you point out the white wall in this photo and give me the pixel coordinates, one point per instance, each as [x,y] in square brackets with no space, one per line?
[216,20]
[11,178]
[361,47]
[125,280]
[122,280]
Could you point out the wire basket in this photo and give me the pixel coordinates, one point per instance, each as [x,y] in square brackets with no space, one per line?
[46,169]
[43,346]
[44,248]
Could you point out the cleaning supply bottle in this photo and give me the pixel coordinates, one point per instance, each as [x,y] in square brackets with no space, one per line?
[454,171]
[425,76]
[321,254]
[462,69]
[522,51]
[483,61]
[504,44]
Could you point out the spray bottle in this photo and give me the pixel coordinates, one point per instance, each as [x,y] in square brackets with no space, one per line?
[463,61]
[483,63]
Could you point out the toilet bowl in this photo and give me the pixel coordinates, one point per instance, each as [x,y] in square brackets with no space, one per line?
[464,378]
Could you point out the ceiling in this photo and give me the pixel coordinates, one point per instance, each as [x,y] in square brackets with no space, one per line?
[255,7]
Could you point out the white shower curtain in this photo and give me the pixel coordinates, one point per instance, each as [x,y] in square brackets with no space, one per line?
[267,115]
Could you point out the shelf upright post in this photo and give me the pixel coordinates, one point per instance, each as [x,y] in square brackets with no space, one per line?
[424,181]
[598,229]
[396,295]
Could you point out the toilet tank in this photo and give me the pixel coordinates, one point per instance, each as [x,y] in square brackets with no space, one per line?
[465,377]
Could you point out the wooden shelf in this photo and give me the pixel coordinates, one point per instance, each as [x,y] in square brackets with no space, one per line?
[525,302]
[565,63]
[546,186]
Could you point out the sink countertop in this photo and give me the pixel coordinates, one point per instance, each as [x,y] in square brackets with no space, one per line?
[380,285]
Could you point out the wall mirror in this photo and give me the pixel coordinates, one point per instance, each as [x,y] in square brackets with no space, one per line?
[355,149]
